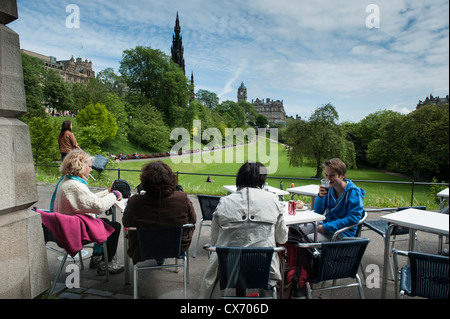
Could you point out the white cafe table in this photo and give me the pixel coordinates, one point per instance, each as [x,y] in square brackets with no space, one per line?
[277,191]
[302,216]
[414,219]
[306,190]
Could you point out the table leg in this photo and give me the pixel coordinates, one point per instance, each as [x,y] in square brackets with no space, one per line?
[316,230]
[412,239]
[387,245]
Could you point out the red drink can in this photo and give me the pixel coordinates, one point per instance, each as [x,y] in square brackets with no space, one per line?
[292,206]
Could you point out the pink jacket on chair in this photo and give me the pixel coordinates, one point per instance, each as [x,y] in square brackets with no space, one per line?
[71,231]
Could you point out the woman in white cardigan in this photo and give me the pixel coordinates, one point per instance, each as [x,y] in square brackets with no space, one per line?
[73,196]
[250,217]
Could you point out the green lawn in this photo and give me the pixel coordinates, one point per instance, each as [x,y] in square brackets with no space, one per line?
[377,194]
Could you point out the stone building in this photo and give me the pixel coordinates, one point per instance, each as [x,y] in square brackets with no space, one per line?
[72,71]
[273,110]
[431,100]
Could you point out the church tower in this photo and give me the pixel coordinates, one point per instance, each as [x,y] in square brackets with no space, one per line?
[242,93]
[177,46]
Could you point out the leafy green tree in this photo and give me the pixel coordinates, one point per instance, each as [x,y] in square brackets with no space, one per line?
[33,70]
[232,113]
[111,81]
[261,121]
[102,122]
[367,130]
[426,133]
[389,150]
[250,112]
[154,75]
[209,99]
[319,139]
[149,130]
[44,139]
[57,93]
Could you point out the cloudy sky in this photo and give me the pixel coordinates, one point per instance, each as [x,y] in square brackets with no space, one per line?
[359,55]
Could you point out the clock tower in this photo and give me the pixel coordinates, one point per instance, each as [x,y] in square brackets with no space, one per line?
[242,93]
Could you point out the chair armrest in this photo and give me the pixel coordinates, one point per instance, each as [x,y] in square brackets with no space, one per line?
[361,221]
[275,249]
[309,245]
[400,252]
[397,252]
[135,228]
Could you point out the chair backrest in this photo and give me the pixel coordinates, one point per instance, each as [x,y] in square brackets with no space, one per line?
[429,275]
[208,204]
[399,230]
[360,224]
[244,267]
[339,259]
[160,242]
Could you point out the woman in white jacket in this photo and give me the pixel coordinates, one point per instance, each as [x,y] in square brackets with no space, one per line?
[250,217]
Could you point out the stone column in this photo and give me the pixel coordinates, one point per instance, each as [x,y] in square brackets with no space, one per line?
[23,259]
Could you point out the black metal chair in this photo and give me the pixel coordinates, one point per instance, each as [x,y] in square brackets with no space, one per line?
[244,268]
[208,204]
[380,227]
[426,275]
[160,243]
[335,260]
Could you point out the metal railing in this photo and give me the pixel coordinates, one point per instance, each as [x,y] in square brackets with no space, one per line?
[413,183]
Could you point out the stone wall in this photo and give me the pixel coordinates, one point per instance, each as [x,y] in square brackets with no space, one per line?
[23,260]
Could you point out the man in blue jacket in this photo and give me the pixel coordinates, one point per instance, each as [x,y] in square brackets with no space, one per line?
[341,200]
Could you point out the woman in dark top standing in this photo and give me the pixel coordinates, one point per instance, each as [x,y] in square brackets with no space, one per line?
[66,140]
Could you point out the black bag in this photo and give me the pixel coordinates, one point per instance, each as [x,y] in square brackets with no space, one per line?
[123,187]
[99,163]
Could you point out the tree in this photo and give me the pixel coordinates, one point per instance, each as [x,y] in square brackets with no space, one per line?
[57,93]
[111,81]
[209,99]
[148,129]
[32,72]
[44,142]
[427,139]
[389,150]
[154,75]
[319,139]
[261,121]
[367,130]
[102,122]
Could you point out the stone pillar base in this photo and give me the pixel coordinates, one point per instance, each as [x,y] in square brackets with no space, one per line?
[23,271]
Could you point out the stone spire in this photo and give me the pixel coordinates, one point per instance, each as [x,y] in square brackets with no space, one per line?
[177,46]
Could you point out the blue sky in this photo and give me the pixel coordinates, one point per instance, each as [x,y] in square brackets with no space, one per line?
[306,53]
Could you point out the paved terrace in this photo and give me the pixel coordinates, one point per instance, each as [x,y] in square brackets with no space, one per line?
[165,284]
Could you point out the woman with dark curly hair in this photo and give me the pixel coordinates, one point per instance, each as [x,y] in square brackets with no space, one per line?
[160,205]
